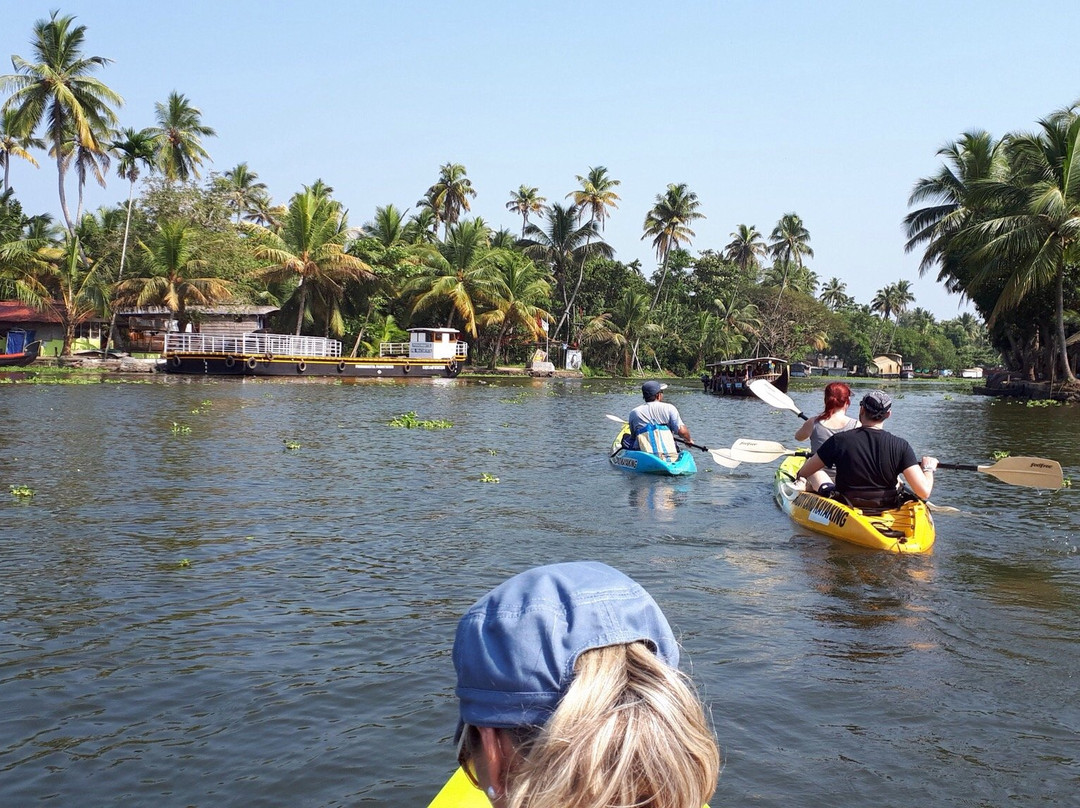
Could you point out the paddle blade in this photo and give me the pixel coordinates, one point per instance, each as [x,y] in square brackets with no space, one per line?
[723,457]
[746,450]
[1033,472]
[767,392]
[615,418]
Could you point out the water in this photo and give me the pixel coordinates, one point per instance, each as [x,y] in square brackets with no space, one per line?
[212,619]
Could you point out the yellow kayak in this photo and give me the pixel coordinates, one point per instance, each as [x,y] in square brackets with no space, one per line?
[906,529]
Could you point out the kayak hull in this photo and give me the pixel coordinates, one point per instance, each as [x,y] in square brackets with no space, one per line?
[645,463]
[907,529]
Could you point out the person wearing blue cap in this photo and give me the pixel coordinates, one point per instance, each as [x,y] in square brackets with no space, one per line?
[869,460]
[655,412]
[570,695]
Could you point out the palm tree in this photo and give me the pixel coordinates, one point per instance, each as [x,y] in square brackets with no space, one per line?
[173,279]
[515,294]
[311,248]
[265,213]
[619,331]
[596,195]
[242,189]
[179,134]
[790,242]
[972,160]
[668,224]
[457,275]
[77,290]
[564,245]
[523,201]
[14,143]
[449,196]
[132,150]
[1038,233]
[59,89]
[893,299]
[834,294]
[746,248]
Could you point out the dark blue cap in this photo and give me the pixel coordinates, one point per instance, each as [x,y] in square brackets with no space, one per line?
[516,647]
[651,390]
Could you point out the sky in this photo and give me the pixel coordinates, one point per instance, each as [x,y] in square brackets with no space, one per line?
[831,110]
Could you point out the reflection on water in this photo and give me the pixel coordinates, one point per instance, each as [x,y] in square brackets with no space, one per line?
[210,619]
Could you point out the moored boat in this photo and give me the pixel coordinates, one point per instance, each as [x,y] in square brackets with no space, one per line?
[906,529]
[649,463]
[731,377]
[21,358]
[430,352]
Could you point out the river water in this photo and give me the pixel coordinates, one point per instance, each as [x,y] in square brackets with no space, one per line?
[209,618]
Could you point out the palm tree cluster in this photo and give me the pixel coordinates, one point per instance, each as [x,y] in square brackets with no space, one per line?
[1003,229]
[181,242]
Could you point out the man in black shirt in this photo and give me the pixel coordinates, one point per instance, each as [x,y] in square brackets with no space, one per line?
[869,460]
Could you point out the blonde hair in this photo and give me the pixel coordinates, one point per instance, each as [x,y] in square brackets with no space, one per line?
[630,731]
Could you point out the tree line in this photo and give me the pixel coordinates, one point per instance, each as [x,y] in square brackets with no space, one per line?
[181,241]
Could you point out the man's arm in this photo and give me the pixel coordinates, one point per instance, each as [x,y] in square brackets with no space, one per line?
[920,477]
[812,464]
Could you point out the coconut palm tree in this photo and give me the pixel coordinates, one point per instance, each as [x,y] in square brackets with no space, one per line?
[77,288]
[523,201]
[516,294]
[746,248]
[668,224]
[564,244]
[311,249]
[834,294]
[1038,233]
[173,280]
[457,275]
[450,194]
[790,241]
[133,150]
[242,189]
[596,194]
[58,89]
[14,143]
[179,134]
[618,332]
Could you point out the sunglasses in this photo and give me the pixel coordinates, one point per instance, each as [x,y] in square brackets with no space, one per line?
[470,740]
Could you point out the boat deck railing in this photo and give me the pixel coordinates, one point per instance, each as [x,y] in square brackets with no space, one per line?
[259,344]
[461,349]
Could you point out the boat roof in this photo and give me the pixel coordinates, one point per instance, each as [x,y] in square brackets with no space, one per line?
[737,362]
[435,330]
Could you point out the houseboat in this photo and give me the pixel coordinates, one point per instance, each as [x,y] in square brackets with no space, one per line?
[430,352]
[731,376]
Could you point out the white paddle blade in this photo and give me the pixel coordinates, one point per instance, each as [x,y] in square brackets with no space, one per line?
[723,458]
[746,450]
[767,392]
[615,418]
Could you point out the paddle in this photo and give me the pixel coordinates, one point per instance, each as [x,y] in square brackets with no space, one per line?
[746,450]
[1030,472]
[720,456]
[764,389]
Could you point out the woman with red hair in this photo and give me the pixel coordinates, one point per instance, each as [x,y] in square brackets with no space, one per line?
[821,427]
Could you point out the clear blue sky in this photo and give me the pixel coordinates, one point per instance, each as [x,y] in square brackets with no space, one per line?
[831,110]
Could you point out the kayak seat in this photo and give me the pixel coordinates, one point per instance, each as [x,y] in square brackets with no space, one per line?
[658,440]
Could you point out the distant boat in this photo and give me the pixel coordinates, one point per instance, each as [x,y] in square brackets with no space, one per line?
[22,358]
[907,372]
[429,352]
[731,376]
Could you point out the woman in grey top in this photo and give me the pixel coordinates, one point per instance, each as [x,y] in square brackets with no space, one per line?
[823,426]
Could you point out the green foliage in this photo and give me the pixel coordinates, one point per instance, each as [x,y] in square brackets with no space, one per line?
[290,445]
[21,491]
[410,420]
[488,478]
[180,429]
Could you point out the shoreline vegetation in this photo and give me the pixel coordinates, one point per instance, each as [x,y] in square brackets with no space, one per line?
[1000,226]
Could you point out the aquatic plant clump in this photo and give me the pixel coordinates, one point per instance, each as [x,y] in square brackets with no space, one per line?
[410,420]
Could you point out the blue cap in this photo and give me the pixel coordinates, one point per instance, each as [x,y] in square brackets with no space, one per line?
[651,390]
[515,649]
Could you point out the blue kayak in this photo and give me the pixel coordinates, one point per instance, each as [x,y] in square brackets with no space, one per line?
[648,463]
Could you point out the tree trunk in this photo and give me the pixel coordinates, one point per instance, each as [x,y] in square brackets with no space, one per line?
[302,301]
[1064,349]
[119,274]
[63,194]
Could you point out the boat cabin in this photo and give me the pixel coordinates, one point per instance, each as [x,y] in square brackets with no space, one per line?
[428,343]
[731,377]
